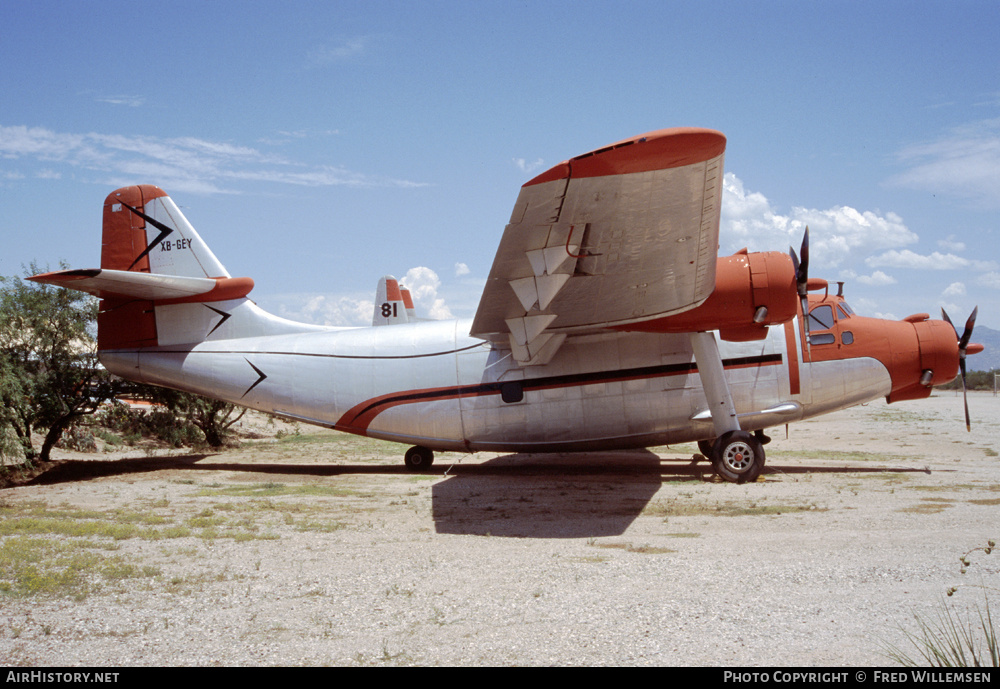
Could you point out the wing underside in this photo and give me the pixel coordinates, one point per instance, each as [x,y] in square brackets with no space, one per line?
[617,236]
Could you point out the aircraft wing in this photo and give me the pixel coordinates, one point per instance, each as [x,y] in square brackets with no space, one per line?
[623,234]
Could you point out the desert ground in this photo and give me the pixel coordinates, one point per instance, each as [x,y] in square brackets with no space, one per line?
[316,548]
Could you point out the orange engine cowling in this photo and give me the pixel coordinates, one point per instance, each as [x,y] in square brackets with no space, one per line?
[752,291]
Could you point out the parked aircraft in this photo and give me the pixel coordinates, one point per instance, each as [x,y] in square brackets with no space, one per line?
[608,321]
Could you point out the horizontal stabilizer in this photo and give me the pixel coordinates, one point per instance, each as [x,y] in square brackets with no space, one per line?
[121,284]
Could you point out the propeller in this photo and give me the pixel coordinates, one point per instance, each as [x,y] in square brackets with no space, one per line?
[963,345]
[802,278]
[801,267]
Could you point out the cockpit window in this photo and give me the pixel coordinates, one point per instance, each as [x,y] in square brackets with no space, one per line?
[821,318]
[845,310]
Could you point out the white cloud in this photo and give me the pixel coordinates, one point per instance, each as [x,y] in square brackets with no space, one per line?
[965,163]
[950,243]
[343,51]
[955,289]
[461,269]
[181,163]
[877,278]
[934,261]
[991,279]
[325,309]
[423,284]
[836,235]
[130,101]
[524,166]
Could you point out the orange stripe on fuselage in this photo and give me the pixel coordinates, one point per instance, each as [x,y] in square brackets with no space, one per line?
[794,387]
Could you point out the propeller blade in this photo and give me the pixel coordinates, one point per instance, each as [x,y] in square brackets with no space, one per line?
[963,345]
[802,282]
[944,315]
[965,398]
[802,273]
[969,325]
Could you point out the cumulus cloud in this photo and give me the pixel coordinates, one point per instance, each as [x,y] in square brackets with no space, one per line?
[877,278]
[180,163]
[934,261]
[950,243]
[326,309]
[461,269]
[990,279]
[423,284]
[955,289]
[836,235]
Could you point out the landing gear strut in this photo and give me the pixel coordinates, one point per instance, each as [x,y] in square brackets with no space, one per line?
[418,458]
[736,455]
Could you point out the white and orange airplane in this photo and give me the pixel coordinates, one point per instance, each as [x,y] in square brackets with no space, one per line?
[608,321]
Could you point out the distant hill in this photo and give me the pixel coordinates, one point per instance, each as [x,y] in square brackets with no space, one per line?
[989,358]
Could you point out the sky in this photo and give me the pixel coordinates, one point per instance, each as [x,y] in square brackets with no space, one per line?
[317,146]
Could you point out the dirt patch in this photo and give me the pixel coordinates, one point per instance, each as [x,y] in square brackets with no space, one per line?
[319,548]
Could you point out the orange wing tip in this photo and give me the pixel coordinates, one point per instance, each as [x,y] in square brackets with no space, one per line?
[224,290]
[974,348]
[659,150]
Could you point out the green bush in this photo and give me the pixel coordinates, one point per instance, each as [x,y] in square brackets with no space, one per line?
[159,423]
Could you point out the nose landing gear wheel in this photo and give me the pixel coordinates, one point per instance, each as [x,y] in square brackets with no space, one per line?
[418,458]
[738,457]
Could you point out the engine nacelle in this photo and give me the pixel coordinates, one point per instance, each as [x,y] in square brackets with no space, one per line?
[752,291]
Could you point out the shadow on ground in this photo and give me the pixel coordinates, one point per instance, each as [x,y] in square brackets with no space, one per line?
[578,495]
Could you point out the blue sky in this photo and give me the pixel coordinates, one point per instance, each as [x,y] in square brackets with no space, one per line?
[318,146]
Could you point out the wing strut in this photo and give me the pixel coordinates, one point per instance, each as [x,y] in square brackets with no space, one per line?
[713,380]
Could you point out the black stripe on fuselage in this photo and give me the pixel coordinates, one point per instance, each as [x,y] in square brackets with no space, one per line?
[566,380]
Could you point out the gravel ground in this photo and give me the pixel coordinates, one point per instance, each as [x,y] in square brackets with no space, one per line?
[322,550]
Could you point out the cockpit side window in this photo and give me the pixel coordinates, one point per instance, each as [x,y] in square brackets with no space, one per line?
[821,318]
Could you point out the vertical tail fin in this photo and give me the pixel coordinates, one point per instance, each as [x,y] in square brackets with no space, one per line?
[411,313]
[160,284]
[390,308]
[145,231]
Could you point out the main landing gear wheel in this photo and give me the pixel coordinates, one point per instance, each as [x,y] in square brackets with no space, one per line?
[738,457]
[418,458]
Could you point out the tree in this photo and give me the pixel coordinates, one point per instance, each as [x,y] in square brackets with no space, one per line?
[49,372]
[213,417]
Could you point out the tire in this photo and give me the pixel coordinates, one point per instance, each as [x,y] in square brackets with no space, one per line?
[738,457]
[418,458]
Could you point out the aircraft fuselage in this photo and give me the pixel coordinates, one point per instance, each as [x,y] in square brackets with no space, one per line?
[430,384]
